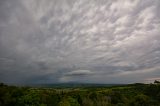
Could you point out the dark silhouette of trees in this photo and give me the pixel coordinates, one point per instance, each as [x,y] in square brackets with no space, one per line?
[157,82]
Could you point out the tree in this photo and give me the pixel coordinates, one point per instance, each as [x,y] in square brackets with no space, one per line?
[156,82]
[140,100]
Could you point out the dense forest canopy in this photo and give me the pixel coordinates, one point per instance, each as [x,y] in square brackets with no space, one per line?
[121,95]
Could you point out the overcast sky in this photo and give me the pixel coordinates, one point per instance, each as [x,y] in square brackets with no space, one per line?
[90,41]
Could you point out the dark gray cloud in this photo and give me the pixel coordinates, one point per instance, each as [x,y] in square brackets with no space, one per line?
[113,41]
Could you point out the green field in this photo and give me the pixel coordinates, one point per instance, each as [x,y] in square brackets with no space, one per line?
[93,95]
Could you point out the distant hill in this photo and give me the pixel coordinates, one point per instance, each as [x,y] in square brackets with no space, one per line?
[73,85]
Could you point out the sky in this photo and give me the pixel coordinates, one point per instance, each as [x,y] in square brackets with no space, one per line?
[83,41]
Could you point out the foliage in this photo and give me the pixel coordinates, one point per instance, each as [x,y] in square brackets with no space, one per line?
[126,95]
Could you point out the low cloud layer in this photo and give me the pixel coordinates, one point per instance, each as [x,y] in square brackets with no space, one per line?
[79,73]
[96,41]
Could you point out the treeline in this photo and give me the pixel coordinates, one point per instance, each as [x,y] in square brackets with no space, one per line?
[128,95]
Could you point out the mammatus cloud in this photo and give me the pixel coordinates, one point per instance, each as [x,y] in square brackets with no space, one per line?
[113,41]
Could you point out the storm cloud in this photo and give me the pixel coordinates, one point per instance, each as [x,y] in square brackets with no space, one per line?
[93,41]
